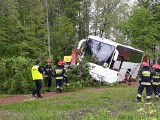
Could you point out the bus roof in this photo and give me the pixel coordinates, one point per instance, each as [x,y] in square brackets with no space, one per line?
[104,40]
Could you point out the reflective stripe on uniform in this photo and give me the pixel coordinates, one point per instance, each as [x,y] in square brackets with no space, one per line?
[148,97]
[155,83]
[145,83]
[155,76]
[59,78]
[58,71]
[146,73]
[139,95]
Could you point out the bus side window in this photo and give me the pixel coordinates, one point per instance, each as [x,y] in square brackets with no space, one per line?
[116,65]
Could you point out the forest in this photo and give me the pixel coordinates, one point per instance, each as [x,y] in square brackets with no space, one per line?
[42,29]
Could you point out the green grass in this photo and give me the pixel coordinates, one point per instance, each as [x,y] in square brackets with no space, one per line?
[5,95]
[109,104]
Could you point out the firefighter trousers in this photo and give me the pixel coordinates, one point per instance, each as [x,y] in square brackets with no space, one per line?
[148,91]
[59,83]
[48,81]
[158,90]
[155,90]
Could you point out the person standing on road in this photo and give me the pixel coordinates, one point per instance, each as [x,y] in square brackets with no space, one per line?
[145,82]
[48,76]
[37,77]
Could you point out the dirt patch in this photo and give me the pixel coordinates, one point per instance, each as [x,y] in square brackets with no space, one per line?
[132,84]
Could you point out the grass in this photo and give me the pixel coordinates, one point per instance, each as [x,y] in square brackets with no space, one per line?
[5,95]
[114,103]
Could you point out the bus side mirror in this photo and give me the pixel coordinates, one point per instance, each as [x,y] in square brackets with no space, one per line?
[116,55]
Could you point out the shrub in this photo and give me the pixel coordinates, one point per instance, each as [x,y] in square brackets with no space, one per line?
[80,77]
[16,75]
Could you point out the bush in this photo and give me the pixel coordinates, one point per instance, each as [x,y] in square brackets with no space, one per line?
[16,75]
[80,77]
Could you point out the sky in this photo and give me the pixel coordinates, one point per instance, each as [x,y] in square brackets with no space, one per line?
[132,1]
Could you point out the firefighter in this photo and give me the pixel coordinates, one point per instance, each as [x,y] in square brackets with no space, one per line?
[155,80]
[48,76]
[158,70]
[37,77]
[145,82]
[59,74]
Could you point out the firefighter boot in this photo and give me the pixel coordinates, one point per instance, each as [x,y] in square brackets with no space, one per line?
[60,90]
[39,96]
[139,99]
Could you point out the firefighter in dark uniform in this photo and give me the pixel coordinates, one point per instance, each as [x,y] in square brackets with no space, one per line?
[145,82]
[158,70]
[37,77]
[59,74]
[155,80]
[48,76]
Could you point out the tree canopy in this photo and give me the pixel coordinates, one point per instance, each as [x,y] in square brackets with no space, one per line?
[142,28]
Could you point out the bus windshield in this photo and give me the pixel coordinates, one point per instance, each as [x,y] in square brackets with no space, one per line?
[101,52]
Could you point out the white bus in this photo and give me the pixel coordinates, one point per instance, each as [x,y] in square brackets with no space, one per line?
[112,60]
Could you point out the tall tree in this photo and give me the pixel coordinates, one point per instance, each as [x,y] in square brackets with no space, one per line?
[10,27]
[153,7]
[32,17]
[64,40]
[106,15]
[142,30]
[84,18]
[63,21]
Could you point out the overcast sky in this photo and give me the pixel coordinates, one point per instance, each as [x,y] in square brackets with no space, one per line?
[132,1]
